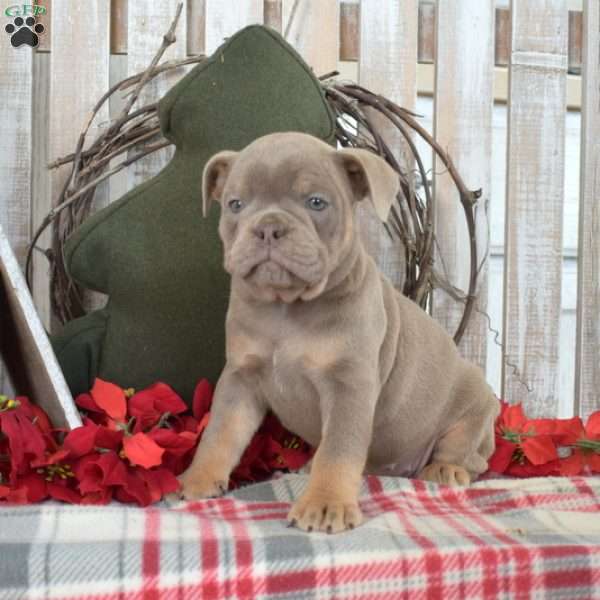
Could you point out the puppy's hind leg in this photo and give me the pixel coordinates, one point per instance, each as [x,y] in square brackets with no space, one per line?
[461,454]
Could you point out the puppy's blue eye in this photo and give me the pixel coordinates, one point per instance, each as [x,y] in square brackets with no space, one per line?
[316,203]
[235,205]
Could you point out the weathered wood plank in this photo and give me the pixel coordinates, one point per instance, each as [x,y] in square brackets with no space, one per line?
[224,17]
[118,26]
[349,38]
[15,150]
[196,27]
[118,183]
[78,77]
[314,32]
[587,366]
[464,95]
[575,41]
[41,182]
[502,37]
[534,211]
[15,156]
[426,30]
[148,21]
[46,20]
[349,31]
[25,346]
[273,15]
[388,63]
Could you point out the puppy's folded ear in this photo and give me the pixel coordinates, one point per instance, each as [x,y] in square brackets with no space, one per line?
[370,177]
[214,177]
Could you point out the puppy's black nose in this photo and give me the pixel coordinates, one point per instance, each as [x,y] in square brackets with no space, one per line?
[270,230]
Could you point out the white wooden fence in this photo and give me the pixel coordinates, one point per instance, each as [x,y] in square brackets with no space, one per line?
[46,95]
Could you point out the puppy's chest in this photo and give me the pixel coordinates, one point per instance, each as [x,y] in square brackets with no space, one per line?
[278,370]
[285,375]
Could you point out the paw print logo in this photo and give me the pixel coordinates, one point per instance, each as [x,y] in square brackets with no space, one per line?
[24,32]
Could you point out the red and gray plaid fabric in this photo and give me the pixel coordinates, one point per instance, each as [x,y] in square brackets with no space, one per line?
[537,538]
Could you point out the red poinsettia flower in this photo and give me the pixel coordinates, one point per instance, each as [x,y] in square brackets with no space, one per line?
[26,489]
[293,454]
[142,450]
[129,448]
[90,437]
[178,448]
[13,495]
[517,441]
[273,448]
[106,475]
[25,440]
[563,432]
[145,486]
[110,398]
[54,480]
[585,456]
[252,466]
[201,404]
[202,401]
[99,471]
[149,406]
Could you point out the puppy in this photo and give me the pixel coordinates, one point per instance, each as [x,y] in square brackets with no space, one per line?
[317,334]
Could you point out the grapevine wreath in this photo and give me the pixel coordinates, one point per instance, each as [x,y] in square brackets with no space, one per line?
[361,117]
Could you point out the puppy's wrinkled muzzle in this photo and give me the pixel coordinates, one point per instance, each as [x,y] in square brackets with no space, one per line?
[274,252]
[270,230]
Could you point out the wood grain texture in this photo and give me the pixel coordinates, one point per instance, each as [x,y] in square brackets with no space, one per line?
[148,21]
[464,95]
[196,26]
[15,150]
[118,183]
[118,26]
[78,77]
[575,41]
[350,31]
[224,17]
[388,62]
[587,365]
[502,38]
[348,26]
[314,32]
[25,346]
[16,71]
[46,21]
[273,15]
[426,29]
[534,209]
[41,182]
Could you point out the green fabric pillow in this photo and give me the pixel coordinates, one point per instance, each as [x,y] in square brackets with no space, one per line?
[152,252]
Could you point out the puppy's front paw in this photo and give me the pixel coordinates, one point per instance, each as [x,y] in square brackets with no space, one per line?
[321,512]
[445,473]
[196,487]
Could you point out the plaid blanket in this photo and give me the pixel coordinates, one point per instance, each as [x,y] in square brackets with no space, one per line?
[537,538]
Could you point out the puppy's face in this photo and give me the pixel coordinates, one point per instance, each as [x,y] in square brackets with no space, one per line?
[287,203]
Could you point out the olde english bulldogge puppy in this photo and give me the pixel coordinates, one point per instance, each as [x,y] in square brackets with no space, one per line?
[317,334]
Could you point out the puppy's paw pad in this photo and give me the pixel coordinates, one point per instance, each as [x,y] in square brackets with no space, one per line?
[173,498]
[446,474]
[198,489]
[321,514]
